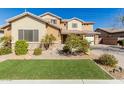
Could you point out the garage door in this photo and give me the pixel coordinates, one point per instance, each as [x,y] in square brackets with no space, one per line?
[109,40]
[90,39]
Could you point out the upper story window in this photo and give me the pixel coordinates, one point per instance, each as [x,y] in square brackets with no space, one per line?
[74,25]
[53,21]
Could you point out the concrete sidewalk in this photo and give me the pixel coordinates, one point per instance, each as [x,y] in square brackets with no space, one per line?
[5,57]
[61,81]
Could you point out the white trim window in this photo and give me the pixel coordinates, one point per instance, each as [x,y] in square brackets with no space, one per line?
[74,25]
[53,21]
[30,35]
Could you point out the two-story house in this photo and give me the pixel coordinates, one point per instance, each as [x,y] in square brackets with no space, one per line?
[33,28]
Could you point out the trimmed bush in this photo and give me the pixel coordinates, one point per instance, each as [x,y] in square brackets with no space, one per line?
[37,51]
[107,59]
[21,47]
[5,50]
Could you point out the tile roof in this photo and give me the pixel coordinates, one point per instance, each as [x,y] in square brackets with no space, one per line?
[75,18]
[78,32]
[5,25]
[112,30]
[30,14]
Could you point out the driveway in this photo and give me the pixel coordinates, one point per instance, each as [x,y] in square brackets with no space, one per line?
[118,52]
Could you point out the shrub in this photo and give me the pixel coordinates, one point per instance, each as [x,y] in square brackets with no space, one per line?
[5,50]
[52,38]
[76,43]
[72,41]
[107,59]
[84,46]
[121,42]
[66,49]
[37,51]
[6,41]
[48,40]
[21,47]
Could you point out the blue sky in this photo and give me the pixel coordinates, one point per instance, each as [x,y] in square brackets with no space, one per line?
[103,17]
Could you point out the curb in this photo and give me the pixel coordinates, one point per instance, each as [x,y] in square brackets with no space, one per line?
[105,70]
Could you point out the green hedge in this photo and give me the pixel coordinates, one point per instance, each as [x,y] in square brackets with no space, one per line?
[21,47]
[5,50]
[37,51]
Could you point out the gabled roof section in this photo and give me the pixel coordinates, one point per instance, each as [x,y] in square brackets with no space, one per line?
[79,32]
[22,15]
[32,15]
[75,18]
[5,25]
[111,30]
[1,30]
[49,13]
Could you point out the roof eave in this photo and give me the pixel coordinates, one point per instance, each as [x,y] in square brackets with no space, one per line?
[49,13]
[30,14]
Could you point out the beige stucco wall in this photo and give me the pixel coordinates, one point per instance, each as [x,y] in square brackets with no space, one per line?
[55,32]
[81,26]
[88,27]
[96,39]
[28,23]
[7,32]
[63,26]
[49,17]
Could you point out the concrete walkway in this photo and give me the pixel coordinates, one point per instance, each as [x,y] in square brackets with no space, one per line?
[61,81]
[44,55]
[5,57]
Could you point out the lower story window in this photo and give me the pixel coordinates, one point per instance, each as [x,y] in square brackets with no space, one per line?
[28,35]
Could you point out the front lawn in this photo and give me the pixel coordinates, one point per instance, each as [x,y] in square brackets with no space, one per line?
[51,69]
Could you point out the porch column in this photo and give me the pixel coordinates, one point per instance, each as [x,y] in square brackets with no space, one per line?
[96,41]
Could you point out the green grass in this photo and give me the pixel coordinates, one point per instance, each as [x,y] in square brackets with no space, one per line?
[51,69]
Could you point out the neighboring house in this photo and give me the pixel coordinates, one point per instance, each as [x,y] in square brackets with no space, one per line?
[33,28]
[1,33]
[110,36]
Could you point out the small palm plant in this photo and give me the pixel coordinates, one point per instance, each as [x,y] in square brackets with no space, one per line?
[47,41]
[6,41]
[51,39]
